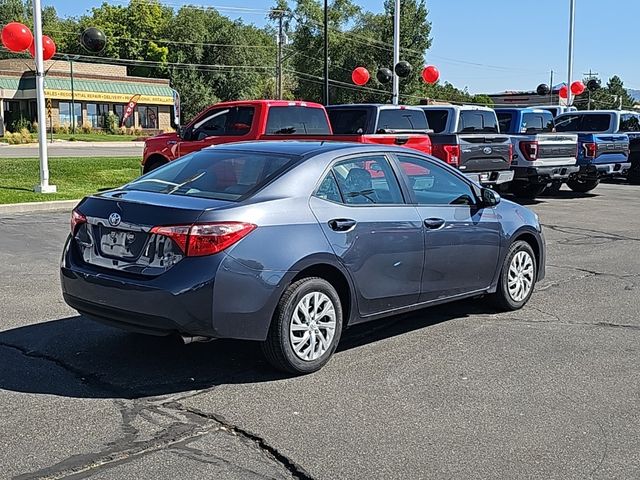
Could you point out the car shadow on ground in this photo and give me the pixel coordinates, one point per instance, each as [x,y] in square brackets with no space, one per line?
[75,357]
[561,195]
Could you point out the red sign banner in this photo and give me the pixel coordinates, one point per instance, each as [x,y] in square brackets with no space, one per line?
[131,106]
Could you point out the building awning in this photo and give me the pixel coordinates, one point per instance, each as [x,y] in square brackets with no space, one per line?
[94,90]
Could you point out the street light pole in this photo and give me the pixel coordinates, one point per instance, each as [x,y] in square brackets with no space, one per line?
[396,53]
[572,20]
[44,186]
[73,99]
[325,93]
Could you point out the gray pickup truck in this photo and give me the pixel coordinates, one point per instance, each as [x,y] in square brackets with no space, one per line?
[469,138]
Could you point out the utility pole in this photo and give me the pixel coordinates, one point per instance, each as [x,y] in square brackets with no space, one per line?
[325,94]
[396,53]
[279,60]
[572,21]
[551,89]
[73,99]
[44,186]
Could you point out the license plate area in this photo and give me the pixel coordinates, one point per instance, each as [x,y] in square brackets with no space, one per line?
[121,243]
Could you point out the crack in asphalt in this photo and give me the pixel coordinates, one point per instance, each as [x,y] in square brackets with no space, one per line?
[296,470]
[588,233]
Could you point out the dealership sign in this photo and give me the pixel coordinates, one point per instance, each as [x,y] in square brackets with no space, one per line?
[106,97]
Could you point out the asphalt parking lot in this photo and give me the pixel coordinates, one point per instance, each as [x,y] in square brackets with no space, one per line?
[549,392]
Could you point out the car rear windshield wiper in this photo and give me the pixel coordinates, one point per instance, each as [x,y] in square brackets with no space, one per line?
[186,182]
[285,131]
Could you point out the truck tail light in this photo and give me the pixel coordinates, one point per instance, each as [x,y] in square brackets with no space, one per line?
[510,153]
[452,154]
[529,150]
[77,219]
[205,238]
[590,150]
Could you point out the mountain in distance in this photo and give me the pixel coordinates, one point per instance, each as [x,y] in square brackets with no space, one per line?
[634,93]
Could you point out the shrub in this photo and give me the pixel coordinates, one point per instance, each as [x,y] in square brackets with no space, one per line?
[137,132]
[25,135]
[34,127]
[87,129]
[122,131]
[17,125]
[111,123]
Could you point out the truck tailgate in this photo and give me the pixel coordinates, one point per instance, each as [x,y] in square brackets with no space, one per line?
[416,141]
[611,148]
[484,153]
[553,149]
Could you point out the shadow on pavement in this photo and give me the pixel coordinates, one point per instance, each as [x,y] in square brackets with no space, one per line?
[75,357]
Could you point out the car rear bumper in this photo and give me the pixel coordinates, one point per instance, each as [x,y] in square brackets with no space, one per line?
[213,296]
[546,174]
[491,178]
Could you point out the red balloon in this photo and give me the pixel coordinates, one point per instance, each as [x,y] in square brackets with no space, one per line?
[577,88]
[564,92]
[48,48]
[430,74]
[360,75]
[16,37]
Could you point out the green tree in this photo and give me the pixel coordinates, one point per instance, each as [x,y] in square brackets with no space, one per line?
[612,96]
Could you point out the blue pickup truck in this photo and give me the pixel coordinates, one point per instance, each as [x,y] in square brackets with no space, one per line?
[605,138]
[542,159]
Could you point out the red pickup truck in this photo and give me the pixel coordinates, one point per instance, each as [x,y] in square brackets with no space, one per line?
[261,120]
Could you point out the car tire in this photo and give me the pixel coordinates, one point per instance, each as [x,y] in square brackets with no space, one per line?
[285,347]
[553,189]
[582,186]
[518,268]
[527,191]
[633,176]
[153,164]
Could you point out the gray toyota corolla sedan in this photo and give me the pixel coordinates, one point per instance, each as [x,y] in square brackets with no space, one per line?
[288,243]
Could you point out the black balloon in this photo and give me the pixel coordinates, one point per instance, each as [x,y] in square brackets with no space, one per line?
[543,89]
[403,68]
[384,75]
[593,84]
[93,40]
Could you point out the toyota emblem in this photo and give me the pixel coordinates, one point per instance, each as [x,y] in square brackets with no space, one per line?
[114,219]
[487,150]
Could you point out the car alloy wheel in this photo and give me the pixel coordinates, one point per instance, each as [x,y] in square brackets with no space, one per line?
[521,276]
[312,326]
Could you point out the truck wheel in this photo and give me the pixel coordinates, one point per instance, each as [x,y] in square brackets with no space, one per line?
[527,191]
[306,327]
[582,185]
[517,278]
[633,177]
[553,189]
[153,163]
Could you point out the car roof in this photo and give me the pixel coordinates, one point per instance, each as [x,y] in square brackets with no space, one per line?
[302,147]
[595,112]
[382,106]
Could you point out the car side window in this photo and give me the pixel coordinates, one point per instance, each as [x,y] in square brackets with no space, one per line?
[629,123]
[433,184]
[367,180]
[328,189]
[226,121]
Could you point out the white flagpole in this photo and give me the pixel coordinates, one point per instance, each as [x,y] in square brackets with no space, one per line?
[44,186]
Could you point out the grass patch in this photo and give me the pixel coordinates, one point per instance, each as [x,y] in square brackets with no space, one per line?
[74,177]
[94,137]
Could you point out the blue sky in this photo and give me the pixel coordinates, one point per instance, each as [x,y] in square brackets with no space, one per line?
[517,41]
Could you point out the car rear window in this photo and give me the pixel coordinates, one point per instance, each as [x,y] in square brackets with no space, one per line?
[349,121]
[217,175]
[437,119]
[593,122]
[401,119]
[537,122]
[478,121]
[504,120]
[294,120]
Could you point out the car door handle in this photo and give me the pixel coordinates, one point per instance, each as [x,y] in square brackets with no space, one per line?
[341,224]
[434,223]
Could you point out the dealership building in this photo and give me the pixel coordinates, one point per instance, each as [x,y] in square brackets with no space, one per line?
[97,90]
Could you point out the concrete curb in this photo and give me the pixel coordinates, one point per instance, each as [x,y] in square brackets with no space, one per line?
[53,206]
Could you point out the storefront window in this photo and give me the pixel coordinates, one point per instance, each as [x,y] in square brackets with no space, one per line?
[119,111]
[66,116]
[96,113]
[148,116]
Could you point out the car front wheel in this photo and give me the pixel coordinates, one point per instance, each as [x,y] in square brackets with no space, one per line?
[517,277]
[306,327]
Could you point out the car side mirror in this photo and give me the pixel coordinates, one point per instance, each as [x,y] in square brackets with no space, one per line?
[490,198]
[183,133]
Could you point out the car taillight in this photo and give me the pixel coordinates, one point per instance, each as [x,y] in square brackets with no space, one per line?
[510,153]
[205,238]
[590,150]
[529,150]
[452,154]
[77,219]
